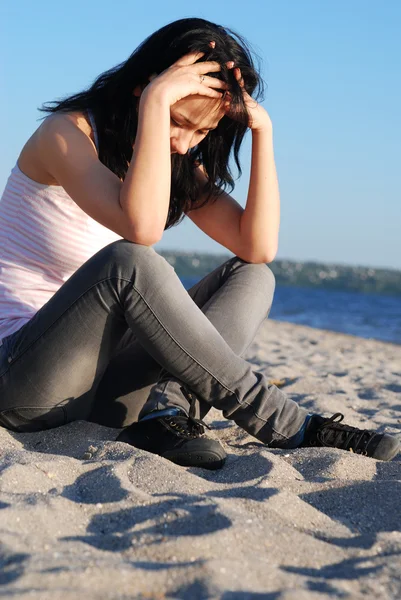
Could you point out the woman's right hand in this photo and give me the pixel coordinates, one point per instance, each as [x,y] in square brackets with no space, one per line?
[183,78]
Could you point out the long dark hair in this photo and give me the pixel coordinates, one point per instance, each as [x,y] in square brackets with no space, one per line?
[114,107]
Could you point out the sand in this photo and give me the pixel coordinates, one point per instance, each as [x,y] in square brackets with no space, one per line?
[83,516]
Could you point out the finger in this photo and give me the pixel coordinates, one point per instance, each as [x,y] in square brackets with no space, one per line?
[214,82]
[204,90]
[238,76]
[212,44]
[208,66]
[189,59]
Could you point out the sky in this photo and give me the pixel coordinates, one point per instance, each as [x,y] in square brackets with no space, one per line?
[332,70]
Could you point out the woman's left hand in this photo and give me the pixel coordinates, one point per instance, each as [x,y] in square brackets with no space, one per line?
[258,116]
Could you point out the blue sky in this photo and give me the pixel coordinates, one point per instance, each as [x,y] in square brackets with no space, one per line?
[333,91]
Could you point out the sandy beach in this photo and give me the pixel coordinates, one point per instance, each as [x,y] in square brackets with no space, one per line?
[83,516]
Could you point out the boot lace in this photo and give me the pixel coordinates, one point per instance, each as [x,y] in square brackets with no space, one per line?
[331,433]
[187,426]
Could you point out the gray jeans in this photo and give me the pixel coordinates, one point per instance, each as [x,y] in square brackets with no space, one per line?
[122,334]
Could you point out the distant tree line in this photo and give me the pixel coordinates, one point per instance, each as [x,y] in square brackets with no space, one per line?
[302,274]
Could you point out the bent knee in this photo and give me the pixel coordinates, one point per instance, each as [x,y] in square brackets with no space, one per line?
[259,274]
[123,247]
[264,279]
[129,258]
[268,274]
[123,252]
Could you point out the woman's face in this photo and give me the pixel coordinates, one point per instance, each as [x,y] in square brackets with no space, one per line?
[191,120]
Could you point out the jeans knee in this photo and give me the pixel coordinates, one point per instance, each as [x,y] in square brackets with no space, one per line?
[260,274]
[264,281]
[125,253]
[125,250]
[259,279]
[268,276]
[133,261]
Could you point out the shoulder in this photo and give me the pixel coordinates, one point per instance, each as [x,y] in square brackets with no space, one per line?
[66,121]
[32,160]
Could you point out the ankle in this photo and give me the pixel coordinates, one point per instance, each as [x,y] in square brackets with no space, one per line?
[315,421]
[297,440]
[164,412]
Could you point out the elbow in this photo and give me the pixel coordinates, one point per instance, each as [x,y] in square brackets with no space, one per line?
[270,257]
[141,231]
[145,238]
[270,254]
[261,257]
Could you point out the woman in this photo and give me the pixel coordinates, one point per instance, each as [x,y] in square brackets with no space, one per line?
[94,323]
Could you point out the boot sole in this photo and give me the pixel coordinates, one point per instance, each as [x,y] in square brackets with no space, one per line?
[211,460]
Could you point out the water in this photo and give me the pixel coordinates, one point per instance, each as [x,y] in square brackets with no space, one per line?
[365,315]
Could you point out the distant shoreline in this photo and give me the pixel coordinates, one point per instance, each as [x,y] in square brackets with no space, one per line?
[302,274]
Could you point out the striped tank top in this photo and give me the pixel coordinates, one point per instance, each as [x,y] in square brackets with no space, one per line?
[44,238]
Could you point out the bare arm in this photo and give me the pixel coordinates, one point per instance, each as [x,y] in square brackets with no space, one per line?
[260,221]
[145,194]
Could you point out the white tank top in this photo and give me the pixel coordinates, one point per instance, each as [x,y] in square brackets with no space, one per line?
[44,238]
